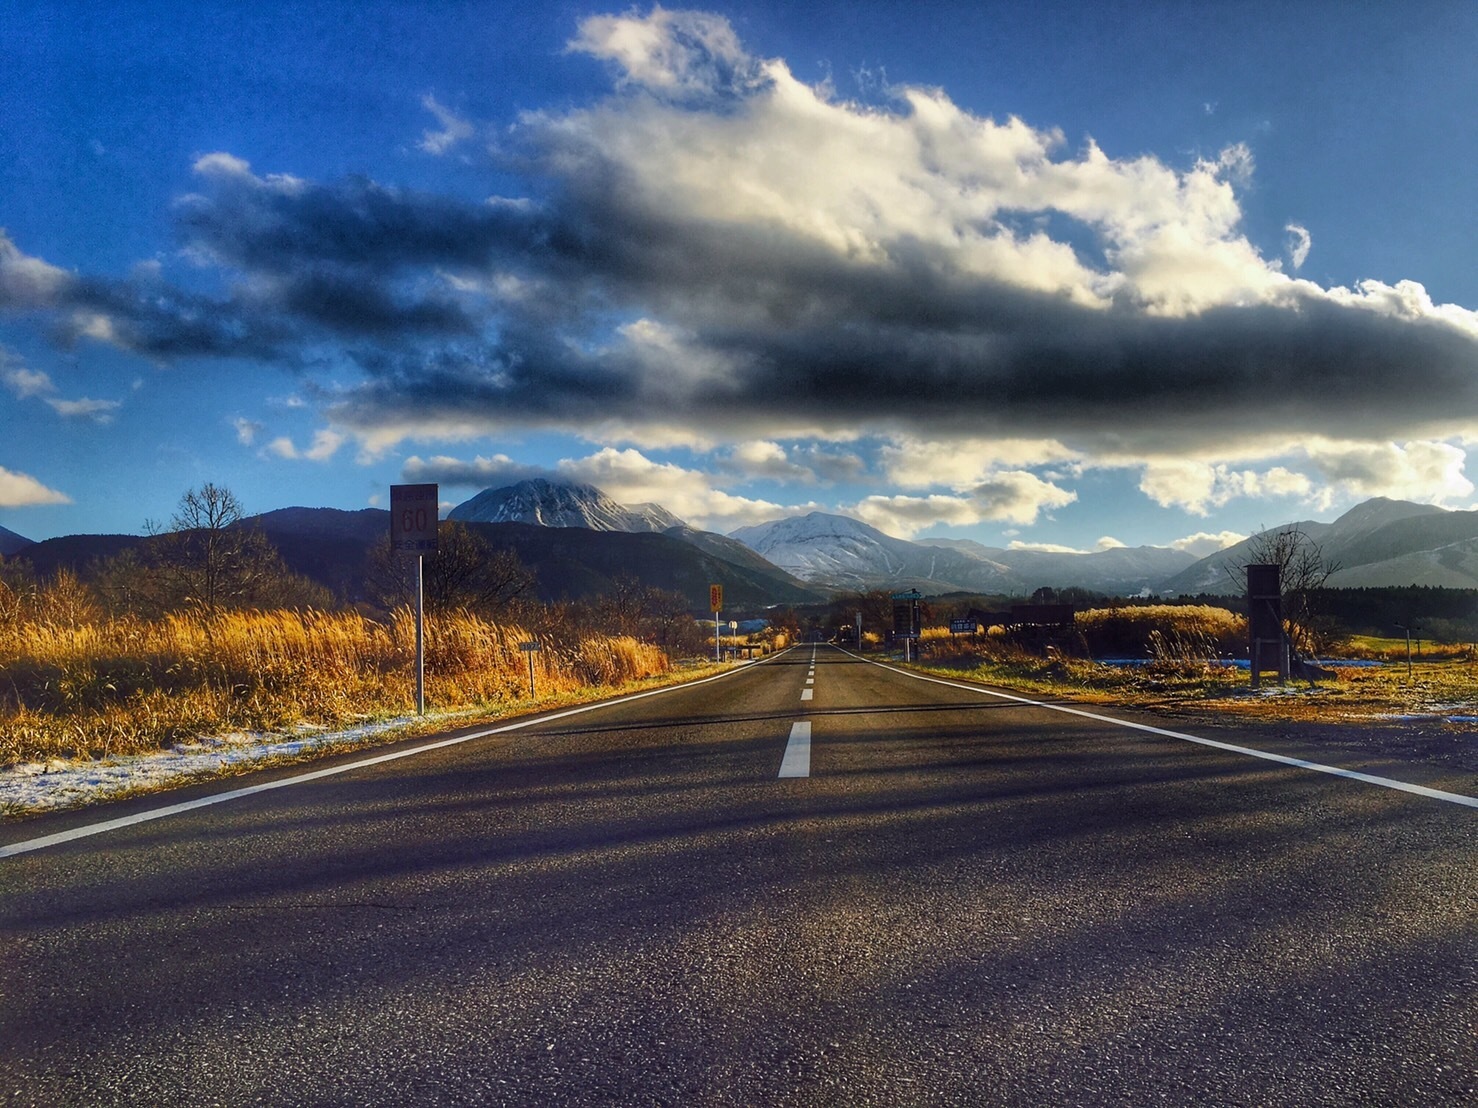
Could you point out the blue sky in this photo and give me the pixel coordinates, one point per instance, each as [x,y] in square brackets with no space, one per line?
[1058,274]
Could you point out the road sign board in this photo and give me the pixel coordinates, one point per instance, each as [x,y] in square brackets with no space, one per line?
[528,646]
[413,519]
[963,626]
[716,598]
[912,594]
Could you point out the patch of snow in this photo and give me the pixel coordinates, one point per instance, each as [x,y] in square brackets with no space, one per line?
[59,783]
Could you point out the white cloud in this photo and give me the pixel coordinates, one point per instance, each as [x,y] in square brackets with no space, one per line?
[1011,496]
[28,384]
[1043,547]
[762,460]
[865,182]
[1426,472]
[961,464]
[221,164]
[23,382]
[676,53]
[631,478]
[479,473]
[1300,242]
[1204,543]
[831,465]
[1107,542]
[1198,486]
[20,490]
[906,516]
[98,411]
[27,282]
[325,445]
[453,128]
[1017,496]
[247,430]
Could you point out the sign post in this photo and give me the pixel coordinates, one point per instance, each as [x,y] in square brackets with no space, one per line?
[530,648]
[1268,648]
[906,618]
[413,533]
[716,602]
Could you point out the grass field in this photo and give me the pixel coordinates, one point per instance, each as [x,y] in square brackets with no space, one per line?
[92,687]
[1180,647]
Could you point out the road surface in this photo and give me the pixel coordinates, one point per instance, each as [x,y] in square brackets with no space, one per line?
[889,891]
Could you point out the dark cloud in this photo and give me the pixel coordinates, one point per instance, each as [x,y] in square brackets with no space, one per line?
[639,293]
[479,473]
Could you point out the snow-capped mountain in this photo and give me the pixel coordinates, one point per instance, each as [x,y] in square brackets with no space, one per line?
[847,553]
[1121,570]
[1377,543]
[555,504]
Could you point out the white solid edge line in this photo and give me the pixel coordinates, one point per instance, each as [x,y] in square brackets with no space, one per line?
[1318,767]
[86,830]
[797,760]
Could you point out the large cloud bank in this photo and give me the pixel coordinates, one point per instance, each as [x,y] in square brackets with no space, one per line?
[719,253]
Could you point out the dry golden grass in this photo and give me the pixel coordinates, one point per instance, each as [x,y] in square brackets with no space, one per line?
[89,687]
[1180,672]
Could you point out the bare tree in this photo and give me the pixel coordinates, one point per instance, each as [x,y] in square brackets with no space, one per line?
[1303,570]
[207,558]
[466,571]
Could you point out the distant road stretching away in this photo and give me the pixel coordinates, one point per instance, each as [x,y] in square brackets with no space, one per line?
[815,880]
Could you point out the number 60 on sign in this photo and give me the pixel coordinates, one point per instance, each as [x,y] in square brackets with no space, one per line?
[413,519]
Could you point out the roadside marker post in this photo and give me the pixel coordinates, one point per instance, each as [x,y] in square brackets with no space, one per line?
[413,520]
[716,602]
[530,648]
[906,618]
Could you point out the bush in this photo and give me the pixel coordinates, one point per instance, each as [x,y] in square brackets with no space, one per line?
[1163,631]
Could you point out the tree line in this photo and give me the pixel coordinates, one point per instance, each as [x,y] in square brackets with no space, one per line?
[210,558]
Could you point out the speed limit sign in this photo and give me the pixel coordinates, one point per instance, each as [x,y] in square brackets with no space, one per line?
[413,519]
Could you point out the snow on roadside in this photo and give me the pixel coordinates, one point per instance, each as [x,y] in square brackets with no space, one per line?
[34,787]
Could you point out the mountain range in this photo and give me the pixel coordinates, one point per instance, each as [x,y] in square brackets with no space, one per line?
[1376,544]
[841,552]
[579,540]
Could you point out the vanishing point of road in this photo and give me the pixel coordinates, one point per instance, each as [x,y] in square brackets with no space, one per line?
[815,880]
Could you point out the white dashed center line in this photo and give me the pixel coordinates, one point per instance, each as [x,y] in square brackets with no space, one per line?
[797,760]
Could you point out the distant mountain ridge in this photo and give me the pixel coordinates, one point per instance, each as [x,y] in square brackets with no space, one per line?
[796,560]
[10,542]
[1378,543]
[843,552]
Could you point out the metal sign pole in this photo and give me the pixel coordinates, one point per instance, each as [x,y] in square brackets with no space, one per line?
[718,640]
[531,648]
[420,635]
[413,525]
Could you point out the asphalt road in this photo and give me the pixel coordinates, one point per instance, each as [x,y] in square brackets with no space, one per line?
[964,900]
